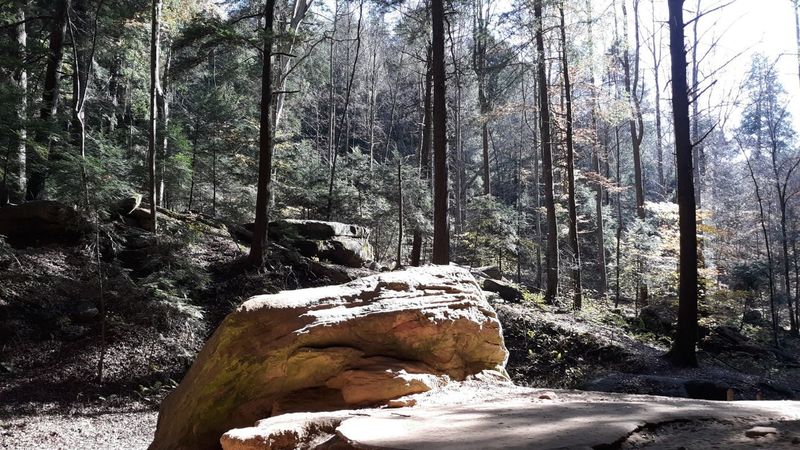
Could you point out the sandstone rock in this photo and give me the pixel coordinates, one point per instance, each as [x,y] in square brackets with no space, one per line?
[127,205]
[658,318]
[363,343]
[336,273]
[500,416]
[757,432]
[339,243]
[40,222]
[507,291]
[753,317]
[315,229]
[492,272]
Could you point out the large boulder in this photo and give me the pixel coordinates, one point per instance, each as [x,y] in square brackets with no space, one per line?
[507,290]
[358,344]
[42,222]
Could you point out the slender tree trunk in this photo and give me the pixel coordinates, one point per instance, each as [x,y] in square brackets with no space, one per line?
[441,229]
[343,120]
[547,160]
[371,113]
[260,227]
[21,77]
[479,63]
[763,220]
[425,151]
[655,50]
[572,209]
[163,105]
[787,279]
[620,224]
[399,262]
[598,188]
[83,55]
[682,352]
[155,56]
[37,163]
[193,167]
[635,122]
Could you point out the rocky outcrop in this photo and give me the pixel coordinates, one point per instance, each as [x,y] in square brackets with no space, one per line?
[41,222]
[359,344]
[339,243]
[507,290]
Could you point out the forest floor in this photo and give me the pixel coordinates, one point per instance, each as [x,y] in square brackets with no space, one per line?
[163,298]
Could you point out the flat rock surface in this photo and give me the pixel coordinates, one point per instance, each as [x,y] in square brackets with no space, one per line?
[479,415]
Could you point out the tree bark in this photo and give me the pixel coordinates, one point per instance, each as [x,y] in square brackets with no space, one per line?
[21,78]
[635,122]
[37,163]
[577,299]
[155,56]
[682,352]
[551,257]
[425,151]
[441,231]
[344,118]
[259,244]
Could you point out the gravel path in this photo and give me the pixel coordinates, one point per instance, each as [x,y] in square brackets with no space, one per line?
[86,430]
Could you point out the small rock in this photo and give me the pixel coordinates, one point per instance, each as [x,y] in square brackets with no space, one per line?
[401,403]
[757,432]
[548,396]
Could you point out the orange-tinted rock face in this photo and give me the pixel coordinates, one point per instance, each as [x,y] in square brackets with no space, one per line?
[359,344]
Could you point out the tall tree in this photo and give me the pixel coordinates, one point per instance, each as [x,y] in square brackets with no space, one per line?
[480,34]
[441,227]
[21,78]
[572,210]
[682,352]
[635,122]
[260,228]
[37,160]
[425,151]
[551,256]
[155,56]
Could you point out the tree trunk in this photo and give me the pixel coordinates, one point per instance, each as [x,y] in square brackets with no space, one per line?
[682,352]
[37,163]
[655,49]
[83,55]
[399,262]
[635,122]
[425,151]
[441,231]
[155,56]
[259,244]
[572,210]
[21,77]
[163,106]
[551,259]
[479,63]
[343,120]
